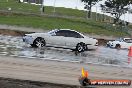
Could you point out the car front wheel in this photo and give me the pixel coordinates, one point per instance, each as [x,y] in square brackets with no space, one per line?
[80,47]
[39,42]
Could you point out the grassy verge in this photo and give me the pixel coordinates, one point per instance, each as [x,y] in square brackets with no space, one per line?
[49,23]
[26,7]
[29,8]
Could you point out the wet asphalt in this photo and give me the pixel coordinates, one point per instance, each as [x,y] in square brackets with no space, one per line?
[14,46]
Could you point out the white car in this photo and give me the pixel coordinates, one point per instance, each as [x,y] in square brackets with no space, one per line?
[120,43]
[62,38]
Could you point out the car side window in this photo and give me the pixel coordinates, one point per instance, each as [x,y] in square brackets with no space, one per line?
[60,33]
[68,33]
[74,34]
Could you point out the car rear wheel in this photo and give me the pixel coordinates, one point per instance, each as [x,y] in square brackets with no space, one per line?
[80,47]
[39,42]
[118,46]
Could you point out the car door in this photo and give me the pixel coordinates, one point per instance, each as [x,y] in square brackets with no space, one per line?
[57,39]
[72,38]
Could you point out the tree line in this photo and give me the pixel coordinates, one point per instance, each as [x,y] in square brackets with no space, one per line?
[118,7]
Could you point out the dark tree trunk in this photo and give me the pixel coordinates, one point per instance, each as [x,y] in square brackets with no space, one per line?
[89,12]
[116,20]
[117,17]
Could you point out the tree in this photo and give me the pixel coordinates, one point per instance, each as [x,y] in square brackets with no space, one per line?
[120,7]
[88,5]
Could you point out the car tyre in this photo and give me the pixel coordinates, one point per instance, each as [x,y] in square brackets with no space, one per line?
[39,42]
[80,47]
[107,45]
[118,46]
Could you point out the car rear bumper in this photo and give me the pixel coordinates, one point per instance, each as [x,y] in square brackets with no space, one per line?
[92,46]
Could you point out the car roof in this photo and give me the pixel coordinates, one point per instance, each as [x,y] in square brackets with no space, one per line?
[55,30]
[72,30]
[66,29]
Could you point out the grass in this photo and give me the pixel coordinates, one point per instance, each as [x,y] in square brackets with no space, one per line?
[26,7]
[48,23]
[19,7]
[29,8]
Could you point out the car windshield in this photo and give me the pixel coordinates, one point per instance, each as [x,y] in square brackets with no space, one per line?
[52,32]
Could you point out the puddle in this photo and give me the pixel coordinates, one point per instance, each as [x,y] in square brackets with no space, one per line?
[14,46]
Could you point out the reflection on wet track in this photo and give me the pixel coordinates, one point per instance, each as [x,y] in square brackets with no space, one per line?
[14,46]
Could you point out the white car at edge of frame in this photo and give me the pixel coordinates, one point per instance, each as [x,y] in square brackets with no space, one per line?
[123,43]
[61,38]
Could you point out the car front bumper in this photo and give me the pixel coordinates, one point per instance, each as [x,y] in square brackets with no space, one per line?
[110,45]
[28,39]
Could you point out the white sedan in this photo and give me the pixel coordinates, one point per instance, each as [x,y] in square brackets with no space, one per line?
[62,38]
[120,43]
